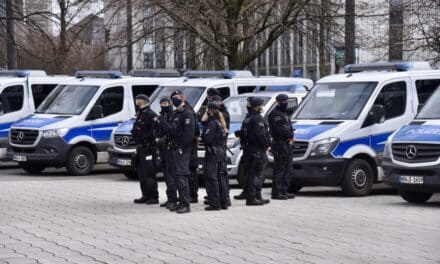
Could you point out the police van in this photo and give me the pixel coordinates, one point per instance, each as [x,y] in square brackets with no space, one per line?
[237,110]
[72,126]
[412,154]
[343,124]
[21,91]
[194,86]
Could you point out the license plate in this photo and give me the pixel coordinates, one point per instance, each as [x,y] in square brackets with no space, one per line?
[411,179]
[19,158]
[124,162]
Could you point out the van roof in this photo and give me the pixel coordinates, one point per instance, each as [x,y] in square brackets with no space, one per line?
[122,80]
[377,76]
[208,82]
[272,94]
[39,79]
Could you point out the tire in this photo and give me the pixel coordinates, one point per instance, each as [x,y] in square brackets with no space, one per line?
[33,168]
[415,197]
[131,174]
[81,161]
[358,178]
[241,176]
[294,188]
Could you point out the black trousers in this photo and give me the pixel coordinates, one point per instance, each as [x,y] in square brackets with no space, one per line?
[282,167]
[181,161]
[254,165]
[194,177]
[169,171]
[216,185]
[146,172]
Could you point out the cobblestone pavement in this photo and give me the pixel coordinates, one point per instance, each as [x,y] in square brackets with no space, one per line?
[59,219]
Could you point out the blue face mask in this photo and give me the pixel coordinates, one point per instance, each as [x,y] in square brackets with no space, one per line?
[166,109]
[283,106]
[176,102]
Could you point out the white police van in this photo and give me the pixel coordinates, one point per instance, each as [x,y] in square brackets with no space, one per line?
[194,86]
[21,91]
[412,154]
[72,126]
[237,110]
[343,124]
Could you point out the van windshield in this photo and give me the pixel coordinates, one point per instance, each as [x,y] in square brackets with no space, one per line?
[431,110]
[237,107]
[192,95]
[343,101]
[67,100]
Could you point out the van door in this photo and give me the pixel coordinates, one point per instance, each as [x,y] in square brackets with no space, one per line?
[395,97]
[12,108]
[111,103]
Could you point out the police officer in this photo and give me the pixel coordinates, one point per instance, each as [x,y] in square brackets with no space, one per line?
[143,136]
[255,138]
[282,135]
[215,157]
[167,163]
[181,130]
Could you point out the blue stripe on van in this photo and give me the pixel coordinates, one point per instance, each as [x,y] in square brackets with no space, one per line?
[4,129]
[376,142]
[307,132]
[418,133]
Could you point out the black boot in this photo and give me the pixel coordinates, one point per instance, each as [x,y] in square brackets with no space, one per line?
[254,203]
[164,204]
[290,196]
[140,200]
[175,207]
[152,201]
[171,205]
[279,197]
[212,208]
[241,196]
[183,209]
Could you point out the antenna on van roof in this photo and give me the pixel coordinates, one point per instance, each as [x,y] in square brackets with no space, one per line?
[158,73]
[388,66]
[98,74]
[218,74]
[22,73]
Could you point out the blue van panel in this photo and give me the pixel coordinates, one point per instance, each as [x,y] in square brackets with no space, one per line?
[307,132]
[418,133]
[4,129]
[376,142]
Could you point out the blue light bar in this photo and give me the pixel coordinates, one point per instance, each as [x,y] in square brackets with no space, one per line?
[21,73]
[218,74]
[99,74]
[387,66]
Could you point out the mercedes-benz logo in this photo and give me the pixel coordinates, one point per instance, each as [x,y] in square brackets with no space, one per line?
[125,140]
[411,152]
[20,136]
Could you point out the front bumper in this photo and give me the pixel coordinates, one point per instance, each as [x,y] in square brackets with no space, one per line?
[122,160]
[431,177]
[49,152]
[323,171]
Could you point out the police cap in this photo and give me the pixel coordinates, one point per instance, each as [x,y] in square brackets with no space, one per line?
[216,98]
[256,101]
[142,97]
[212,92]
[282,98]
[164,99]
[176,92]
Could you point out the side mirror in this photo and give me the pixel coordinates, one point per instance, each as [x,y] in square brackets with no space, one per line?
[96,113]
[419,107]
[376,115]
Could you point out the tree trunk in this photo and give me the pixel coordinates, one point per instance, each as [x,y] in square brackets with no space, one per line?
[11,48]
[395,44]
[129,36]
[350,34]
[62,50]
[322,38]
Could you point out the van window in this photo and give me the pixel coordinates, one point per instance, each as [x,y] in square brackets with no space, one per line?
[12,98]
[111,100]
[143,89]
[425,88]
[393,99]
[40,92]
[246,89]
[224,92]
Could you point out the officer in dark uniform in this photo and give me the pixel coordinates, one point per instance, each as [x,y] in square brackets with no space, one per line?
[181,130]
[163,141]
[143,136]
[282,135]
[255,138]
[215,157]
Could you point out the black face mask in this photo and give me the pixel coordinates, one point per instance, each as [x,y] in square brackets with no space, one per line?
[166,109]
[176,102]
[249,108]
[283,106]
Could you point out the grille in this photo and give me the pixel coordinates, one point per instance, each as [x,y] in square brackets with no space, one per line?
[23,136]
[124,141]
[299,149]
[423,152]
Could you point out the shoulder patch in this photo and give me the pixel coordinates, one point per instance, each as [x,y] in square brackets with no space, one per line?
[207,131]
[277,118]
[261,124]
[187,121]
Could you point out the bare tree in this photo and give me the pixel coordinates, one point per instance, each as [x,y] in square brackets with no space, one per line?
[350,33]
[11,51]
[395,46]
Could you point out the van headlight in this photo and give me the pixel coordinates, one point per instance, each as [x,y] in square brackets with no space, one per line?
[55,132]
[232,142]
[387,151]
[324,146]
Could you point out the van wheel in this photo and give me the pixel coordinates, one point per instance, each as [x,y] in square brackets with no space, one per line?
[81,161]
[33,168]
[415,197]
[358,178]
[130,174]
[241,176]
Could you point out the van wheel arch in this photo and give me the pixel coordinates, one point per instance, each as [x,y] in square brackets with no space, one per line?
[371,161]
[359,176]
[86,154]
